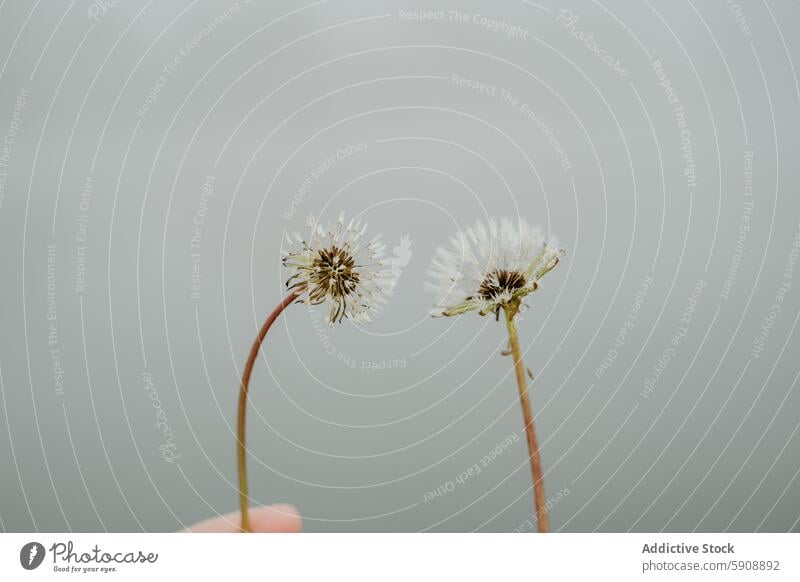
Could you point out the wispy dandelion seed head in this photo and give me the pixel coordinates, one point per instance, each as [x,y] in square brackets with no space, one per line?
[337,265]
[490,266]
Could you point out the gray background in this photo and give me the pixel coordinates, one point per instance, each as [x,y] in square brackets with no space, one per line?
[263,97]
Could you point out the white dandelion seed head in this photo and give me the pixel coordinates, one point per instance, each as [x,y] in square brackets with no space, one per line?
[490,266]
[337,264]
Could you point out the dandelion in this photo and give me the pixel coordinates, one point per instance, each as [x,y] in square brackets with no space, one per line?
[337,266]
[490,269]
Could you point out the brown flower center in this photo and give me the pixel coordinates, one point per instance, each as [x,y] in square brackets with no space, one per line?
[500,281]
[333,274]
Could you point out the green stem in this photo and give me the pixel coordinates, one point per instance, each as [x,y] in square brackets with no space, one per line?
[540,502]
[241,449]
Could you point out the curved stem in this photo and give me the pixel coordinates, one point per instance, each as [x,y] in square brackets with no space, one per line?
[539,499]
[241,449]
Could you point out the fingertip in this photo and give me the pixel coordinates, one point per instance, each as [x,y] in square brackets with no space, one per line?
[277,518]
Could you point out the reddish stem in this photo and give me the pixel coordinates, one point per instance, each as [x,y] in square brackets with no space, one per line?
[537,476]
[241,449]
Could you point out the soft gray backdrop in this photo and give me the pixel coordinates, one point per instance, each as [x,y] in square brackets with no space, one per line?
[155,153]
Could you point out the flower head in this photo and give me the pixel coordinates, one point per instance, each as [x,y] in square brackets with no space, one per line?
[336,265]
[487,268]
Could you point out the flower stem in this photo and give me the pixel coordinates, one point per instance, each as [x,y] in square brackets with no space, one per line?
[241,449]
[530,432]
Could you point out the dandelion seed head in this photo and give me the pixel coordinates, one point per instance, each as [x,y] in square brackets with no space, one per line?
[491,266]
[336,265]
